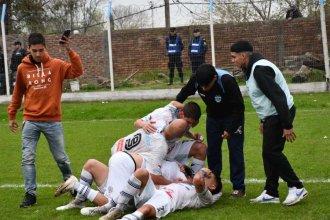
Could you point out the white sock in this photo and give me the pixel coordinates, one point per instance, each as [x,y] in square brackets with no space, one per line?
[86,191]
[86,179]
[131,189]
[196,165]
[137,215]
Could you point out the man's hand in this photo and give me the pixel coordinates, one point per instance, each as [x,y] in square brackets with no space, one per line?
[13,126]
[289,135]
[149,126]
[66,43]
[225,135]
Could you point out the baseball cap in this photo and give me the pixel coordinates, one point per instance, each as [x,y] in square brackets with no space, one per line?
[241,46]
[205,74]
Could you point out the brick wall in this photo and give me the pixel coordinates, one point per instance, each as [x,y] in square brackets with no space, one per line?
[144,49]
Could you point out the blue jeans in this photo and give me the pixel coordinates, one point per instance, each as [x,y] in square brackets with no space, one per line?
[214,129]
[53,132]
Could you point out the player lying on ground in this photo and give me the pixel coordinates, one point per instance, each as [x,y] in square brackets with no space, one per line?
[109,180]
[151,202]
[179,150]
[101,174]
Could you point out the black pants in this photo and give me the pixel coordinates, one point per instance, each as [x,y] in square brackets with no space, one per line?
[196,62]
[214,130]
[175,61]
[275,162]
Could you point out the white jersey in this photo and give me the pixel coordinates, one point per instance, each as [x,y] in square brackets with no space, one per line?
[183,195]
[167,114]
[173,197]
[171,170]
[152,147]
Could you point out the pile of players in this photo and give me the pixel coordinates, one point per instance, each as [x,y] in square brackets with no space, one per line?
[149,170]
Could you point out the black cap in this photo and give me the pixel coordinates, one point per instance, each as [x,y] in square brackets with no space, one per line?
[205,74]
[196,30]
[172,29]
[17,43]
[241,46]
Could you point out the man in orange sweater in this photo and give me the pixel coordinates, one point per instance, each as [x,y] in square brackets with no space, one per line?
[40,80]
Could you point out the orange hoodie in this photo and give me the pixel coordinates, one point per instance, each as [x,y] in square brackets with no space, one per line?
[41,85]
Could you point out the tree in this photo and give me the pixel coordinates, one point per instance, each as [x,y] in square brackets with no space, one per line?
[252,10]
[129,17]
[53,16]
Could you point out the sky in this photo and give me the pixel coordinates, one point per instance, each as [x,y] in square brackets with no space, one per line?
[180,15]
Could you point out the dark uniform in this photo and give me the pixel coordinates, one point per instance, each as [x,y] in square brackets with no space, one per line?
[225,112]
[2,74]
[16,59]
[197,50]
[174,47]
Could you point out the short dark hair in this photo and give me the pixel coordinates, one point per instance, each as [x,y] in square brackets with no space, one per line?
[192,110]
[241,46]
[36,38]
[205,73]
[218,188]
[17,43]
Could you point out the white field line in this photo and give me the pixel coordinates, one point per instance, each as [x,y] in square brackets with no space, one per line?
[256,181]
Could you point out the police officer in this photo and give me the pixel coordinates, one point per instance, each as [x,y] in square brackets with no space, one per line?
[18,54]
[225,120]
[174,47]
[196,50]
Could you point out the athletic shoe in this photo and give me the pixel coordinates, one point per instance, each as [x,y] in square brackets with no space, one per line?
[67,186]
[29,200]
[113,214]
[71,205]
[295,195]
[236,194]
[265,198]
[92,211]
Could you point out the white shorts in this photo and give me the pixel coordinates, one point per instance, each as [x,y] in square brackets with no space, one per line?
[180,151]
[121,167]
[156,198]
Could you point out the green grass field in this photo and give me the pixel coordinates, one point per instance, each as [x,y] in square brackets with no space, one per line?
[91,129]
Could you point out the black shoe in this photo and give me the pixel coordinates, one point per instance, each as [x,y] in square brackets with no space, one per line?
[236,194]
[29,200]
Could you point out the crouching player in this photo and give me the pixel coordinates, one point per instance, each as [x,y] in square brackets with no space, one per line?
[151,202]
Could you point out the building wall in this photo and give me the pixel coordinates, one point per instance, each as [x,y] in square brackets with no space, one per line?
[144,50]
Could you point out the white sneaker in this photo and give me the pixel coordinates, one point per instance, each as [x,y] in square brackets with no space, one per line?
[92,211]
[265,198]
[66,186]
[295,195]
[72,205]
[113,214]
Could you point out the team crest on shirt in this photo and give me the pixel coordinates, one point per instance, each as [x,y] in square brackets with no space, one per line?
[217,98]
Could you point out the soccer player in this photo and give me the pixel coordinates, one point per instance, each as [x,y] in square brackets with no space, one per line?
[179,150]
[150,202]
[274,105]
[153,147]
[109,179]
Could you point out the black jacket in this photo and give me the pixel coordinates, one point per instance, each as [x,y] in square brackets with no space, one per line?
[265,78]
[231,105]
